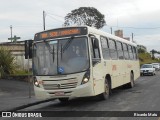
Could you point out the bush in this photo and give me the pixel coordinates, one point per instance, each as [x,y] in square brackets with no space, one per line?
[7,64]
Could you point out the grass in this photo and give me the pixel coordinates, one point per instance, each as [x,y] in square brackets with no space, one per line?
[21,73]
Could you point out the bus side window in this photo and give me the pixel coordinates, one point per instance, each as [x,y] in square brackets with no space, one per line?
[94,51]
[130,52]
[112,48]
[125,50]
[120,50]
[135,53]
[105,48]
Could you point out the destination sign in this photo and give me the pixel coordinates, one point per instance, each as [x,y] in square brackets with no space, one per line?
[62,32]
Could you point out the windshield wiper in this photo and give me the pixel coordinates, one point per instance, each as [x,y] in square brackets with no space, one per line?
[67,44]
[61,51]
[50,49]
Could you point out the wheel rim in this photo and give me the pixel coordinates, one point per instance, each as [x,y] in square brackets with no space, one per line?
[106,92]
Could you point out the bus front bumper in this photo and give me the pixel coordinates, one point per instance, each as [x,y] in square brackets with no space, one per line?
[80,91]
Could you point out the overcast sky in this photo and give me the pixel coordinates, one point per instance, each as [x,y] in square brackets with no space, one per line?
[140,17]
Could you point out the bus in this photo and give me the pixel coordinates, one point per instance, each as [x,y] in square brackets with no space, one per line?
[82,61]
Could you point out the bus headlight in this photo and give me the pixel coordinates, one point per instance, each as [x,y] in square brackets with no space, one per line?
[85,80]
[36,83]
[86,77]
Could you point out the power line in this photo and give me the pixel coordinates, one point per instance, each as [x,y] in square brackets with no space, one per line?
[28,25]
[128,27]
[55,15]
[55,18]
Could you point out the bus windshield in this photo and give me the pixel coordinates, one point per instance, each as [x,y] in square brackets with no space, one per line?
[62,56]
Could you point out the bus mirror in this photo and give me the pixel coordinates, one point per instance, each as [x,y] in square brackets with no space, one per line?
[96,43]
[28,49]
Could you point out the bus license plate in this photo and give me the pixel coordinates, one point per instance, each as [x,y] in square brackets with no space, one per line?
[60,93]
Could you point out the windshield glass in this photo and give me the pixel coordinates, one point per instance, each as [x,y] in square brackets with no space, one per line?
[147,66]
[60,56]
[155,64]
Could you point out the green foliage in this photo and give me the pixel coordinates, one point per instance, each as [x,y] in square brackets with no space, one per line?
[85,16]
[21,73]
[7,64]
[153,52]
[141,50]
[146,58]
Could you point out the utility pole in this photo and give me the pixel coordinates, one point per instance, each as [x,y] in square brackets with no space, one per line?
[111,30]
[117,22]
[44,15]
[11,32]
[132,37]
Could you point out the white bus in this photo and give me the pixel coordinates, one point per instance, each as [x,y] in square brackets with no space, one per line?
[82,61]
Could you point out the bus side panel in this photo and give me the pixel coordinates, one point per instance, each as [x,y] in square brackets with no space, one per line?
[127,67]
[117,73]
[136,70]
[131,65]
[98,78]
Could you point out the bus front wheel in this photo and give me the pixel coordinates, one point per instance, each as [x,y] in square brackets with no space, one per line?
[107,91]
[63,100]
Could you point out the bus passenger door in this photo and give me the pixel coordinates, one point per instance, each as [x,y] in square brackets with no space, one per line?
[97,67]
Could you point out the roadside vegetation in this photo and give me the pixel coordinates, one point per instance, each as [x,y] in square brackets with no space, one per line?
[21,73]
[7,63]
[145,57]
[8,66]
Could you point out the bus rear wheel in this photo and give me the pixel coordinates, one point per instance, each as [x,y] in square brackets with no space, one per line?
[131,84]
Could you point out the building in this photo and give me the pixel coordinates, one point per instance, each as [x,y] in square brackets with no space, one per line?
[127,38]
[119,33]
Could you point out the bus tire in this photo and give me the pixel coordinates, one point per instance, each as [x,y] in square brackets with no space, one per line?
[107,87]
[131,84]
[63,100]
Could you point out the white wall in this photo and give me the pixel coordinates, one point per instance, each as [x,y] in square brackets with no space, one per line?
[21,61]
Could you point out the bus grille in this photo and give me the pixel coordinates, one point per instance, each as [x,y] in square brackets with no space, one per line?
[59,86]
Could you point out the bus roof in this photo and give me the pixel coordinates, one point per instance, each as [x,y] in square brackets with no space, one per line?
[92,30]
[108,35]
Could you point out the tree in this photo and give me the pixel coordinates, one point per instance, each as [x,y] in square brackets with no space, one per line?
[7,64]
[153,52]
[141,50]
[85,16]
